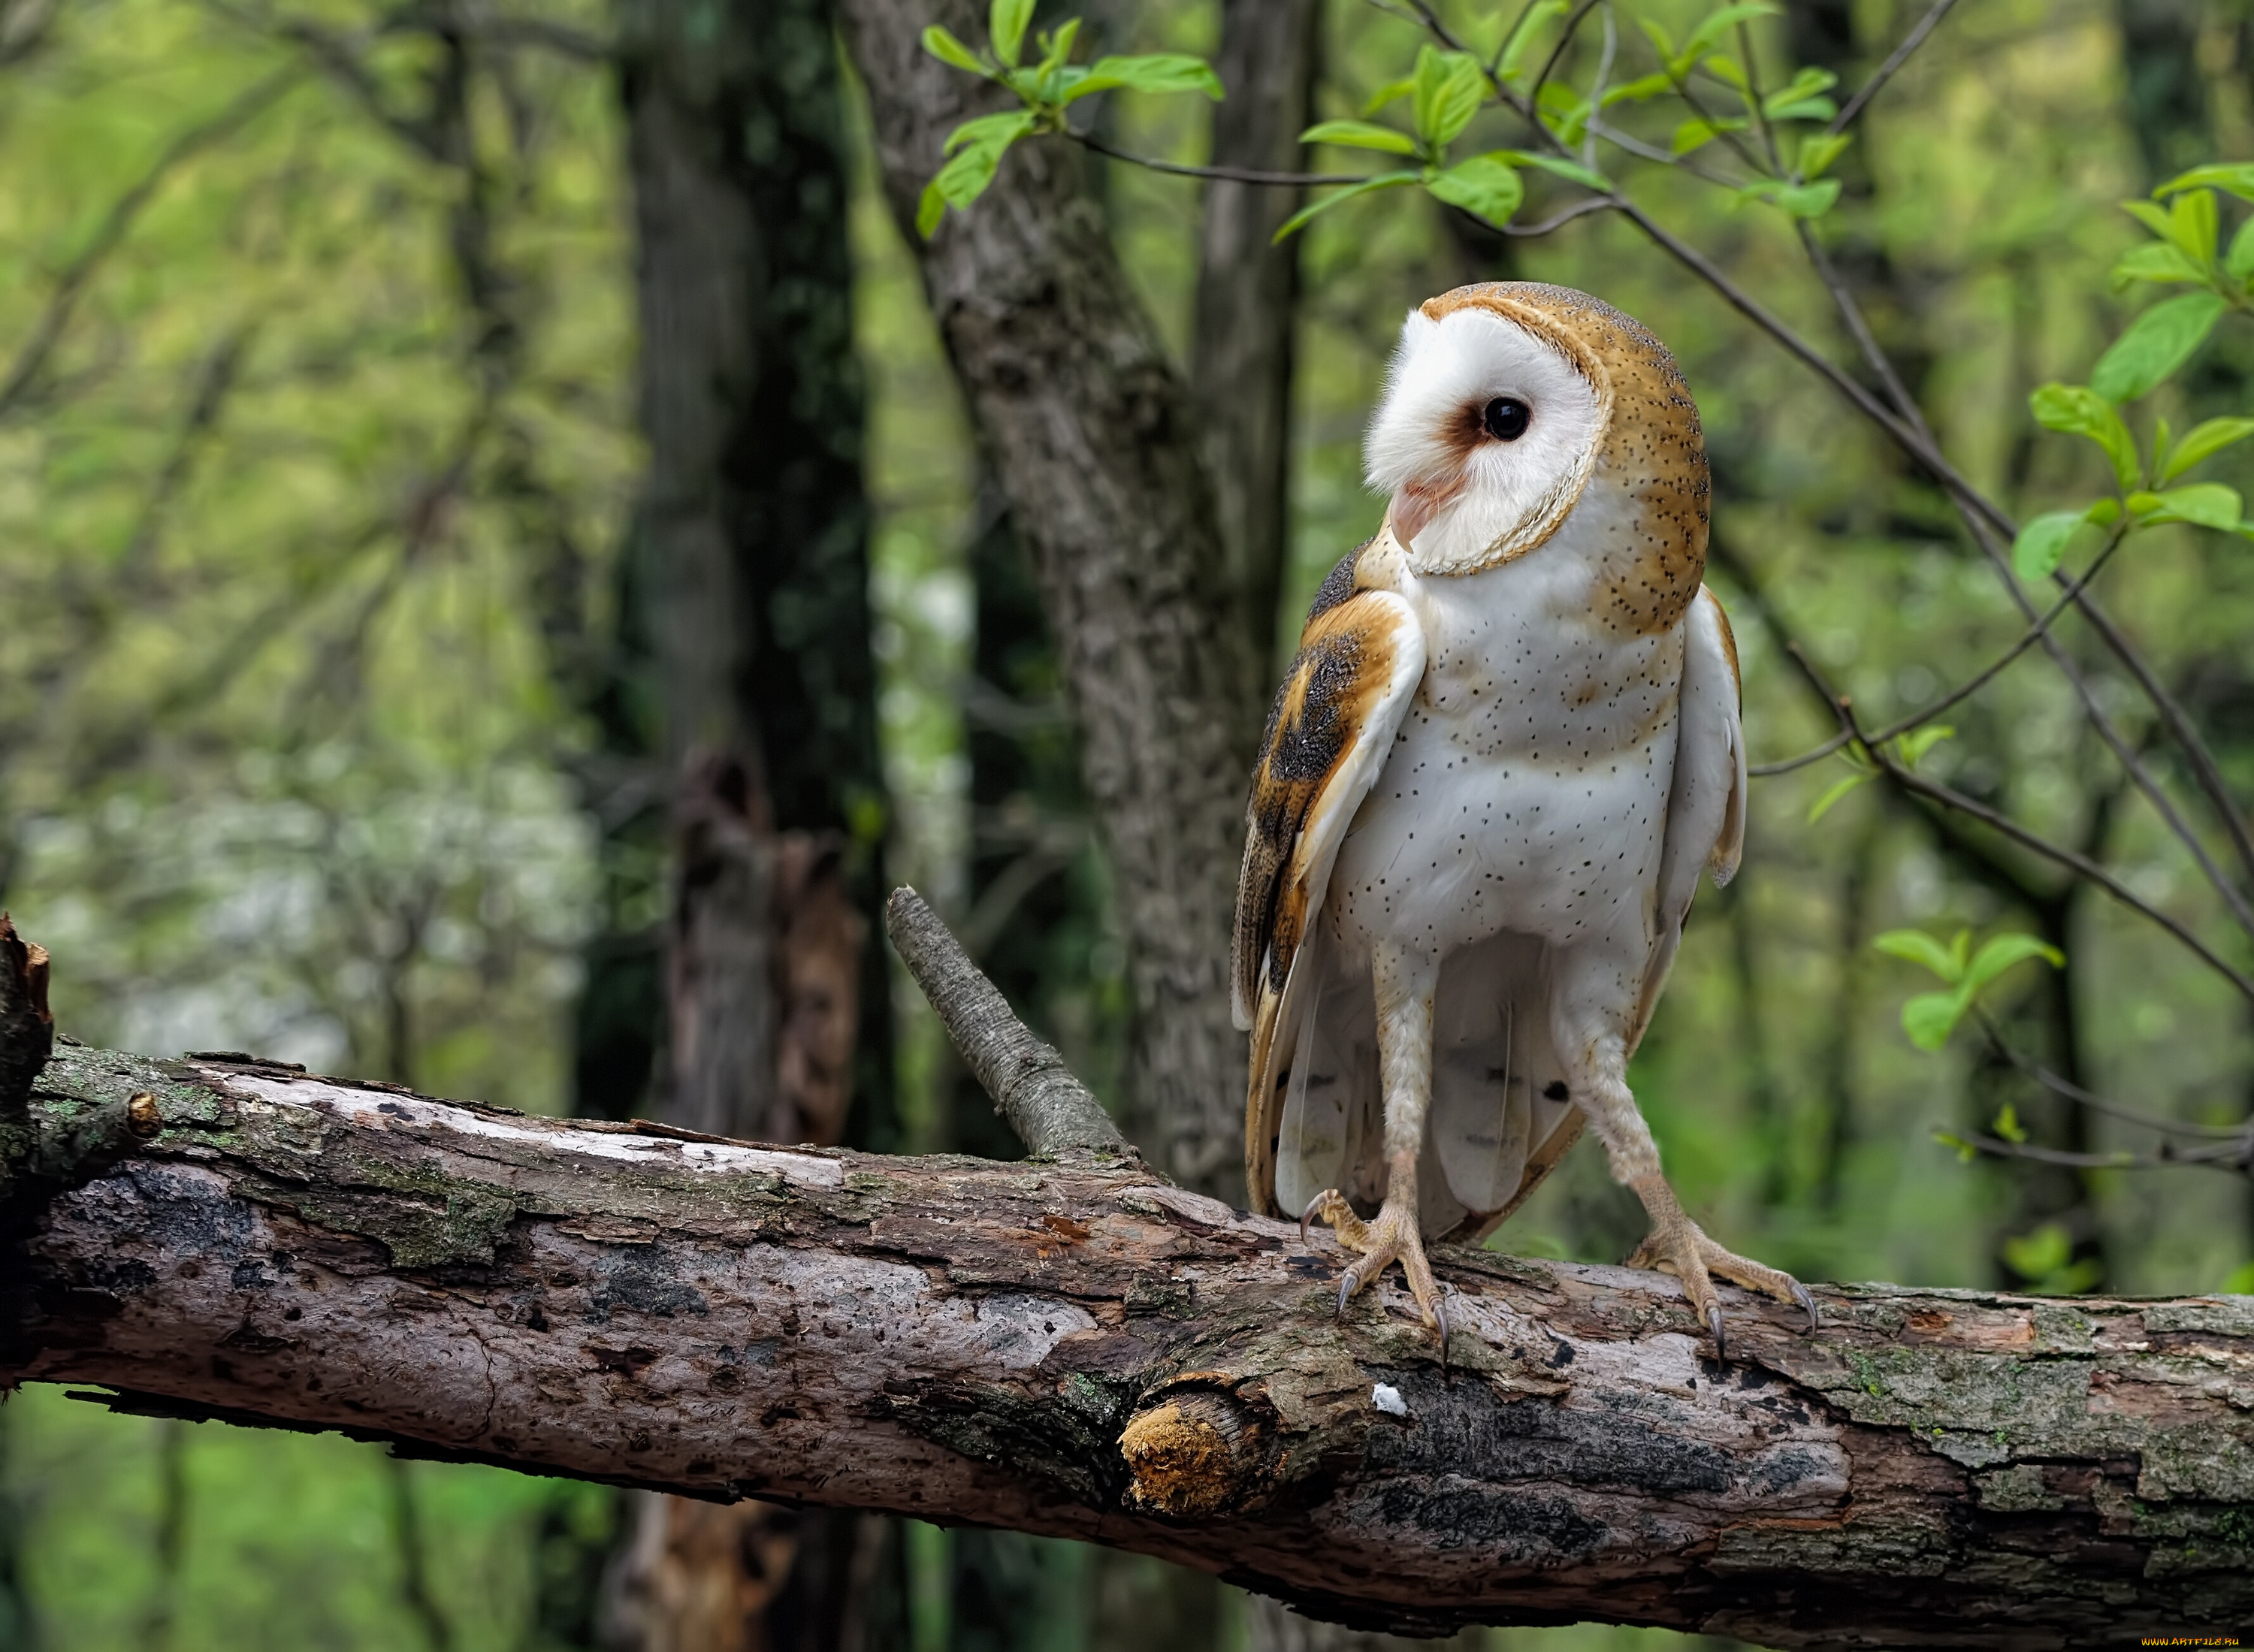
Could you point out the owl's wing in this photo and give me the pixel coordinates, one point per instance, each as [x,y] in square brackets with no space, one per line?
[1360,661]
[1706,805]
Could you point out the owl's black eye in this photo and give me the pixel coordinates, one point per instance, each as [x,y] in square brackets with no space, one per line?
[1506,418]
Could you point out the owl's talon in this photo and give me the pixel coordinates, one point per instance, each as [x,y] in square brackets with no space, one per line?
[1677,1245]
[1390,1239]
[1308,1215]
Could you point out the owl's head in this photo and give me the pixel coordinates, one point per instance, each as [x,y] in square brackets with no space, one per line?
[1502,401]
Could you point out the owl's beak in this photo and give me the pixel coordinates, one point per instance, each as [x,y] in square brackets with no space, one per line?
[1416,503]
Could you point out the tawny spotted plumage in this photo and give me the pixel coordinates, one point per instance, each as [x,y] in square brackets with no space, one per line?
[1507,748]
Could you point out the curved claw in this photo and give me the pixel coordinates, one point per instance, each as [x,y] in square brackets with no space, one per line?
[1714,1324]
[1308,1215]
[1808,1304]
[1346,1283]
[1440,1319]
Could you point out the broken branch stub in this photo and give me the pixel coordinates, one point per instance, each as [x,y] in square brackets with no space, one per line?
[1050,1110]
[27,1030]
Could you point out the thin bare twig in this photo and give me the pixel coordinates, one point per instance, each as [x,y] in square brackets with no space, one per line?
[1901,55]
[1225,174]
[2074,1092]
[2233,1158]
[1980,680]
[2205,769]
[1908,779]
[1565,39]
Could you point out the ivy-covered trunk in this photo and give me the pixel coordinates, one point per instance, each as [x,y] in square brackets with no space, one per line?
[748,560]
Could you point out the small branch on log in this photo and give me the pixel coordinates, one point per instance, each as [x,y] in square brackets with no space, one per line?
[1077,1348]
[1050,1110]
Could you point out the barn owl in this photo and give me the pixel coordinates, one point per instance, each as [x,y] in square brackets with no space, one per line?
[1508,744]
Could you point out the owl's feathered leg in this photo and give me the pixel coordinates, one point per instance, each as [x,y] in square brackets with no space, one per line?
[1676,1244]
[1405,982]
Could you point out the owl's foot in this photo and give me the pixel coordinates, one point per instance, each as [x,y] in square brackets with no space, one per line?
[1392,1238]
[1677,1245]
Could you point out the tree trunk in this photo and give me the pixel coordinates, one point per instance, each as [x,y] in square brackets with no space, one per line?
[750,543]
[1247,292]
[1070,1345]
[1095,441]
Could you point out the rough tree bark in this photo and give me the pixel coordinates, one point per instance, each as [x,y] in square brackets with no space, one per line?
[1075,1346]
[1095,442]
[1248,291]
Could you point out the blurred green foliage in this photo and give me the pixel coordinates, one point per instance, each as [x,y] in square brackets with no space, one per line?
[316,440]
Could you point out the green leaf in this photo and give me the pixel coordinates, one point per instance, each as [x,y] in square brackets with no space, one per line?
[2077,410]
[2240,263]
[1914,946]
[2235,178]
[2103,513]
[1801,200]
[1725,68]
[2041,544]
[1819,150]
[2156,343]
[1005,27]
[1484,185]
[1447,94]
[1390,92]
[1832,793]
[2153,218]
[1642,90]
[1916,743]
[1584,175]
[995,131]
[1715,24]
[2204,441]
[952,51]
[1806,108]
[974,149]
[1999,953]
[2039,1255]
[1966,1152]
[1930,1017]
[2192,225]
[2156,261]
[1522,39]
[2007,1124]
[1383,180]
[2208,504]
[931,207]
[1156,71]
[1804,84]
[2241,1282]
[1360,135]
[1696,134]
[1056,52]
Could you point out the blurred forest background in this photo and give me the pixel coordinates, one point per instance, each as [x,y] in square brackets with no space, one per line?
[336,617]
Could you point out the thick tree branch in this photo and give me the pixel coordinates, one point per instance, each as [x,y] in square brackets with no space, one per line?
[1068,1346]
